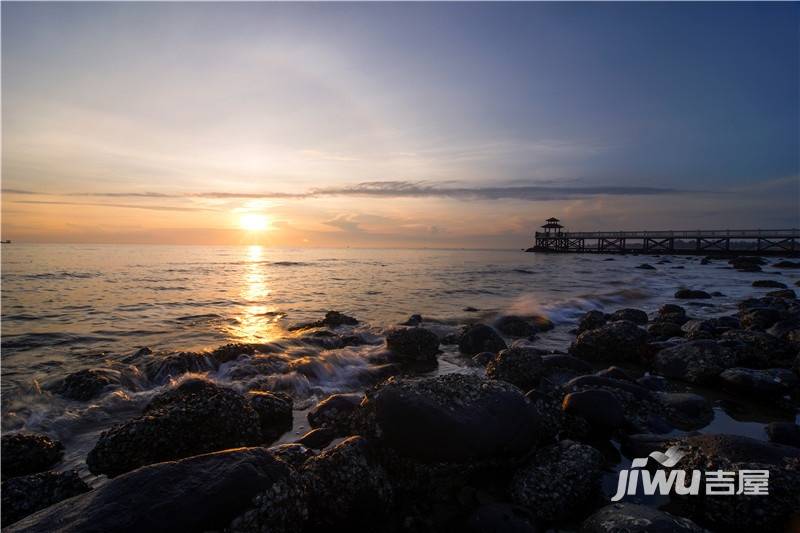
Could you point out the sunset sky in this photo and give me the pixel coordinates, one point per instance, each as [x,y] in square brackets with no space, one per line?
[454,125]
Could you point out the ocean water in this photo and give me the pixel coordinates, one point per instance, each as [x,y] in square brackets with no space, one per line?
[70,307]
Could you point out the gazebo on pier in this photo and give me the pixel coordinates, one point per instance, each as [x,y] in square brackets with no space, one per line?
[552,226]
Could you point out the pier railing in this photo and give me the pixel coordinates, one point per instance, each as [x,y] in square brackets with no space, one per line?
[690,234]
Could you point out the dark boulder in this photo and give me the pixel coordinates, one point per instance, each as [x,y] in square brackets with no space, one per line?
[671,313]
[633,518]
[757,383]
[645,266]
[699,361]
[787,264]
[661,331]
[601,409]
[789,294]
[500,518]
[347,486]
[231,352]
[452,418]
[615,341]
[691,294]
[196,417]
[687,411]
[787,433]
[160,368]
[333,319]
[483,358]
[592,320]
[413,320]
[480,338]
[85,385]
[515,326]
[559,481]
[25,495]
[769,283]
[317,439]
[28,453]
[413,345]
[335,412]
[293,454]
[202,493]
[519,366]
[637,316]
[274,411]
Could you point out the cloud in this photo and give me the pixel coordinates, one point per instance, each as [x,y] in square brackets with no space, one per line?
[125,206]
[410,189]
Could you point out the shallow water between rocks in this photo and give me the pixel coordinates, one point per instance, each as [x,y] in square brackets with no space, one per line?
[70,307]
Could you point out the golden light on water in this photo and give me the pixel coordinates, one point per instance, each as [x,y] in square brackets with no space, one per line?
[256,322]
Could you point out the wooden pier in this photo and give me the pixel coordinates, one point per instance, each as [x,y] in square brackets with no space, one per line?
[723,242]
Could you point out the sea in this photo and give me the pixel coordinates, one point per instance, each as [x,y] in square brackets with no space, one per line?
[72,307]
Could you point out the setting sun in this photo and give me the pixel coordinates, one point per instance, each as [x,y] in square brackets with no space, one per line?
[253,222]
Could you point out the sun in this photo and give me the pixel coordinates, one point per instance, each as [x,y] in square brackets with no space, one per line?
[253,222]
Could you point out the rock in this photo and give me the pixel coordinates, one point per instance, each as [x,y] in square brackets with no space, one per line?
[317,439]
[699,361]
[28,453]
[654,383]
[201,493]
[615,341]
[500,518]
[759,318]
[636,316]
[25,495]
[452,418]
[769,283]
[691,294]
[335,412]
[787,264]
[646,266]
[194,418]
[789,294]
[293,454]
[515,326]
[687,411]
[231,352]
[598,407]
[333,319]
[480,338]
[561,368]
[756,349]
[483,358]
[671,313]
[274,411]
[160,368]
[413,320]
[413,345]
[614,372]
[592,320]
[347,486]
[787,433]
[85,385]
[519,366]
[662,331]
[632,518]
[559,481]
[770,382]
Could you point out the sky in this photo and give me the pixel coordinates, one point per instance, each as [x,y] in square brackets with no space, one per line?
[387,124]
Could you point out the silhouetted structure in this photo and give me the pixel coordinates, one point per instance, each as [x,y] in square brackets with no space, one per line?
[775,242]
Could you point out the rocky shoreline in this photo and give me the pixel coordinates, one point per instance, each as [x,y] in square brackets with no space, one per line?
[520,440]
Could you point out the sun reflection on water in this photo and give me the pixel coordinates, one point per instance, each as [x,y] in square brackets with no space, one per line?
[257,320]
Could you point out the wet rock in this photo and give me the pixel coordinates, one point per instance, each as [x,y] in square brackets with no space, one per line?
[293,454]
[230,352]
[515,326]
[787,264]
[451,418]
[733,453]
[500,518]
[413,320]
[413,345]
[755,349]
[614,372]
[789,294]
[787,433]
[770,381]
[85,385]
[561,368]
[28,453]
[615,341]
[159,368]
[560,481]
[759,318]
[194,418]
[632,518]
[519,366]
[747,264]
[654,383]
[483,358]
[671,313]
[347,486]
[687,411]
[335,412]
[201,493]
[592,320]
[333,319]
[645,266]
[317,439]
[25,495]
[274,411]
[598,407]
[691,294]
[699,361]
[769,283]
[665,330]
[637,316]
[480,338]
